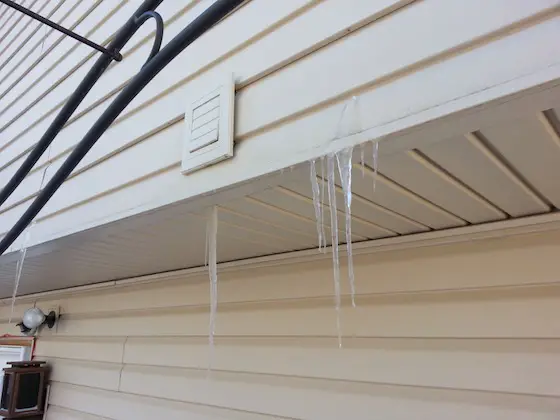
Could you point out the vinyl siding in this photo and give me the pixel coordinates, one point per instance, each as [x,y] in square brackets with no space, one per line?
[463,331]
[272,48]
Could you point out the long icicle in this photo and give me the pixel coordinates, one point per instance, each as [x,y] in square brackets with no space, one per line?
[19,268]
[212,241]
[25,244]
[344,159]
[206,245]
[334,242]
[323,204]
[375,163]
[363,159]
[316,200]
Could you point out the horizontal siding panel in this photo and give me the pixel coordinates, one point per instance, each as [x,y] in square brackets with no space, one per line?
[311,399]
[122,406]
[519,314]
[373,58]
[93,374]
[58,413]
[506,263]
[516,366]
[97,349]
[139,163]
[6,12]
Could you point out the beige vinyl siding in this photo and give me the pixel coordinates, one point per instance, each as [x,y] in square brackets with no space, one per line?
[271,48]
[460,331]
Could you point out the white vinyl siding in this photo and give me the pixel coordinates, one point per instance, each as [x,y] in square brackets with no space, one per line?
[272,48]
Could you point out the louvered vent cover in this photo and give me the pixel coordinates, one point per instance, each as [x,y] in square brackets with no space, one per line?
[209,128]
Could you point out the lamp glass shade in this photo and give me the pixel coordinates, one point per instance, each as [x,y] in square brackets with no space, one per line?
[33,318]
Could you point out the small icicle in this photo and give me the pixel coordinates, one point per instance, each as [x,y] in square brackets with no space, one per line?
[344,159]
[316,201]
[212,232]
[350,119]
[206,245]
[323,203]
[44,38]
[47,166]
[363,159]
[375,163]
[334,242]
[19,268]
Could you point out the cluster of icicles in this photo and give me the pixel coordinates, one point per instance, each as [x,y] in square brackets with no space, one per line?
[348,124]
[328,169]
[327,178]
[342,159]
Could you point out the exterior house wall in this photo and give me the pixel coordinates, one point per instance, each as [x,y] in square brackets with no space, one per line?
[278,53]
[464,331]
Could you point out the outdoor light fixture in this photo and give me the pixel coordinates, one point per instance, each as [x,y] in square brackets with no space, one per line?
[34,318]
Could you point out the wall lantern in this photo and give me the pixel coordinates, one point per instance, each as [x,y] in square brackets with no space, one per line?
[34,318]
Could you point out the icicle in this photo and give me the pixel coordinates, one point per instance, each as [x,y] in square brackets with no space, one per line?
[44,38]
[316,200]
[350,120]
[47,166]
[344,159]
[19,268]
[25,243]
[375,163]
[212,232]
[334,242]
[206,244]
[363,159]
[323,203]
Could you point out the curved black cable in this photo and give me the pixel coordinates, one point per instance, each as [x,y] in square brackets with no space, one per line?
[201,24]
[122,37]
[159,31]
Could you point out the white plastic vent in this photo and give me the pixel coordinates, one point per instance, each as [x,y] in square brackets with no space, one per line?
[209,128]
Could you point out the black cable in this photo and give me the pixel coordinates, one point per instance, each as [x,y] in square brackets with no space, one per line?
[201,24]
[159,31]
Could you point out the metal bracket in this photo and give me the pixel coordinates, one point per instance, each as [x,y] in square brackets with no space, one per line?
[114,54]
